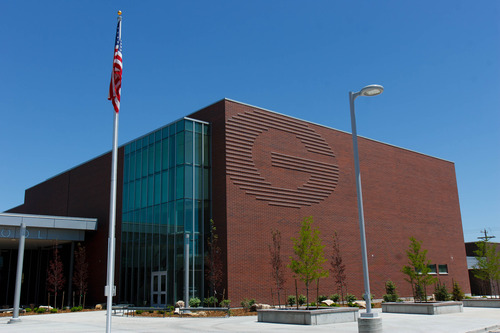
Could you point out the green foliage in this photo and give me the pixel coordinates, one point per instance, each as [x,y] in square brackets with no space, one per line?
[353,305]
[334,305]
[322,298]
[41,310]
[170,308]
[307,265]
[28,309]
[487,265]
[291,300]
[302,300]
[440,293]
[247,303]
[335,298]
[417,270]
[194,302]
[161,311]
[211,301]
[76,308]
[391,292]
[350,298]
[53,310]
[457,294]
[151,310]
[138,312]
[225,303]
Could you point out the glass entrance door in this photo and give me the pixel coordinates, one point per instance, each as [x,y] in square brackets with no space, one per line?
[159,289]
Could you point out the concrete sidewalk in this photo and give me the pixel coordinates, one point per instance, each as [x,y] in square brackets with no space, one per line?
[471,320]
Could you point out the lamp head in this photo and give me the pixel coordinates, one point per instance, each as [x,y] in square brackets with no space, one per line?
[371,90]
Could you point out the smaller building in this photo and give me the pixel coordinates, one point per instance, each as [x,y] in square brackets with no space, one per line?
[478,286]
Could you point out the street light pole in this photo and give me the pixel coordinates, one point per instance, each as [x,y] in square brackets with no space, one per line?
[371,90]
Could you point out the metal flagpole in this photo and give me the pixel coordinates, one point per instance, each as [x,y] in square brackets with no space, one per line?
[110,285]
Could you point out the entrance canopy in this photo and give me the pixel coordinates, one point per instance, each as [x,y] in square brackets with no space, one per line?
[42,230]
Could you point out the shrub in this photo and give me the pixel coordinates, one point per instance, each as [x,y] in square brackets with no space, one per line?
[151,310]
[170,308]
[350,298]
[194,302]
[247,303]
[41,310]
[225,303]
[457,294]
[392,294]
[322,298]
[353,305]
[211,301]
[28,310]
[291,300]
[138,312]
[53,310]
[161,311]
[313,304]
[335,298]
[76,308]
[441,293]
[302,300]
[335,304]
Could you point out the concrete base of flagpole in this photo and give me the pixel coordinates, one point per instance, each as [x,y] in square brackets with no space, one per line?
[369,324]
[14,320]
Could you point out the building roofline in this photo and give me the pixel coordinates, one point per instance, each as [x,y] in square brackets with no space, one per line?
[331,128]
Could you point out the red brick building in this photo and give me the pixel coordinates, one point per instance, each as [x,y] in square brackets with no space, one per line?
[255,171]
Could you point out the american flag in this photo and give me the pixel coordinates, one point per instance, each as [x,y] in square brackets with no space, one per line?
[115,87]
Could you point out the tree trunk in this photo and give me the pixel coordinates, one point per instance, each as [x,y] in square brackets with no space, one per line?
[296,295]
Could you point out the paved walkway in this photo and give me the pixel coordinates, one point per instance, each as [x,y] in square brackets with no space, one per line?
[471,320]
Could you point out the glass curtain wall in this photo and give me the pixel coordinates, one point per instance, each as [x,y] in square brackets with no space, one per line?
[166,194]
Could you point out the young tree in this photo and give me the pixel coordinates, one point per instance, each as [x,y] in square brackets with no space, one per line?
[55,275]
[80,276]
[487,265]
[278,268]
[308,265]
[338,267]
[418,270]
[214,272]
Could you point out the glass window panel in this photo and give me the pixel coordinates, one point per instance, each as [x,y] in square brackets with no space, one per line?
[205,129]
[151,160]
[171,185]
[198,213]
[164,132]
[206,150]
[197,127]
[138,164]
[126,161]
[179,126]
[179,215]
[144,192]
[172,130]
[198,183]
[206,183]
[151,188]
[127,149]
[125,198]
[164,214]
[189,147]
[171,152]
[171,217]
[137,194]
[158,156]
[131,176]
[198,149]
[188,214]
[432,269]
[164,154]
[179,139]
[144,162]
[188,125]
[131,196]
[443,269]
[145,141]
[188,183]
[156,214]
[179,182]
[157,135]
[164,186]
[157,185]
[138,144]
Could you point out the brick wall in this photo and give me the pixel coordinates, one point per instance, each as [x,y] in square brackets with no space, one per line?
[267,185]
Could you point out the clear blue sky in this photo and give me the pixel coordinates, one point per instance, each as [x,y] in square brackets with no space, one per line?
[439,62]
